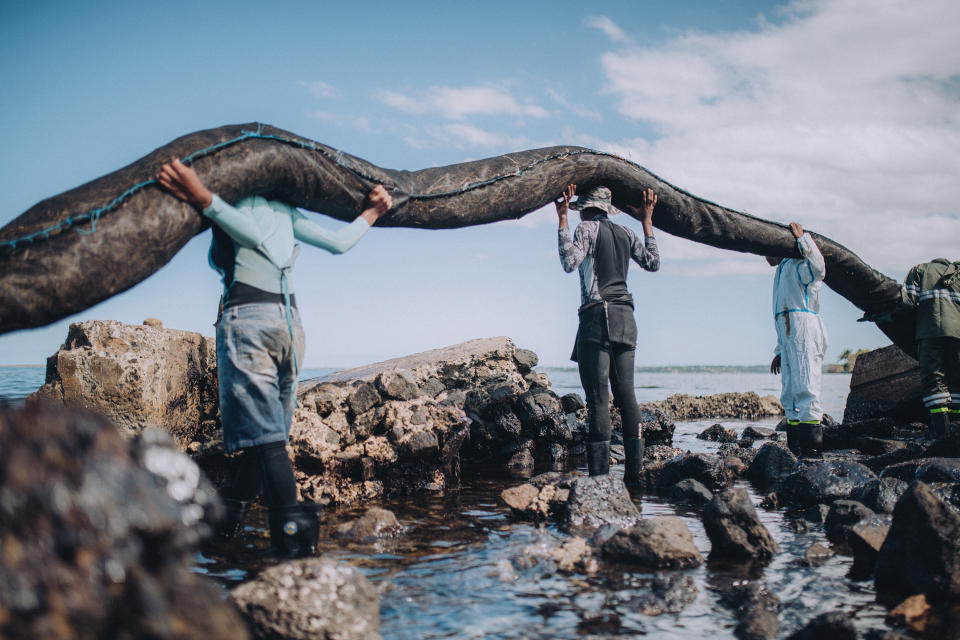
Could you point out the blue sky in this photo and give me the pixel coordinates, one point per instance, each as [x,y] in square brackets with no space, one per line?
[842,115]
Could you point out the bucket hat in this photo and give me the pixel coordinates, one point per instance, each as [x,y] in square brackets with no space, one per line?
[595,198]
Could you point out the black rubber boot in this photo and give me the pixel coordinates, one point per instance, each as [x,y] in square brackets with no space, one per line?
[294,530]
[598,458]
[229,526]
[939,422]
[633,447]
[793,439]
[810,439]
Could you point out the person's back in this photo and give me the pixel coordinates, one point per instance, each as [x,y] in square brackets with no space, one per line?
[933,289]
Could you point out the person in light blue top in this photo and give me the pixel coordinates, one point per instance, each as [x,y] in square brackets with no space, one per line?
[260,343]
[801,340]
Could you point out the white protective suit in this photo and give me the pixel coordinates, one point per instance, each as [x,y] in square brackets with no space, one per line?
[801,336]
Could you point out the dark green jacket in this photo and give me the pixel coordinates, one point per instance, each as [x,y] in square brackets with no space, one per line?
[933,288]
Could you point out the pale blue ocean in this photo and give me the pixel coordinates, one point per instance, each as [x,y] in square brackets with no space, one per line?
[651,383]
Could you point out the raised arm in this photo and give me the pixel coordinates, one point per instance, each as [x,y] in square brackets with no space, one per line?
[184,183]
[379,202]
[810,251]
[646,254]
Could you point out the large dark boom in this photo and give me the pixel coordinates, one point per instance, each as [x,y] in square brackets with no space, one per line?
[71,251]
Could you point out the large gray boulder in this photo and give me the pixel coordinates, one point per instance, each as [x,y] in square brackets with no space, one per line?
[139,376]
[885,382]
[310,598]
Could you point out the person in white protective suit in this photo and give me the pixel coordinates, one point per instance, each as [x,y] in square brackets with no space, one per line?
[801,341]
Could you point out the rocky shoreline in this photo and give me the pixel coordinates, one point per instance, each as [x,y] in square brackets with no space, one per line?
[884,493]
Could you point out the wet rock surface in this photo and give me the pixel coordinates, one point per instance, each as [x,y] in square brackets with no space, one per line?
[668,594]
[310,598]
[716,433]
[756,609]
[598,500]
[98,533]
[825,481]
[744,406]
[735,531]
[921,552]
[375,524]
[842,516]
[705,468]
[660,542]
[772,463]
[833,625]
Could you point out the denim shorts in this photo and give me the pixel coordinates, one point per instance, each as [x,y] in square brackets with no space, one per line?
[256,373]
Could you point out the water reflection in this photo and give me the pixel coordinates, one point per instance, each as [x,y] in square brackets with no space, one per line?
[466,568]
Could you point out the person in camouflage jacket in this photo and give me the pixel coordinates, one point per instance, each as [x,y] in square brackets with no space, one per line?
[933,289]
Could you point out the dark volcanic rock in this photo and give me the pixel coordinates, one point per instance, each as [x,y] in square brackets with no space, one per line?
[825,481]
[661,542]
[881,495]
[910,452]
[598,500]
[816,513]
[842,516]
[98,534]
[866,538]
[708,469]
[921,553]
[572,402]
[879,446]
[734,529]
[833,625]
[716,433]
[311,598]
[925,469]
[772,463]
[655,426]
[689,490]
[756,608]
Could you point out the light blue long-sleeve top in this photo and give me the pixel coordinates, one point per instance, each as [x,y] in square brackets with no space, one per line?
[264,233]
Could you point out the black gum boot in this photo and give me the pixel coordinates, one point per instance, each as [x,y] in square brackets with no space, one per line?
[598,458]
[633,448]
[939,422]
[810,438]
[229,526]
[294,530]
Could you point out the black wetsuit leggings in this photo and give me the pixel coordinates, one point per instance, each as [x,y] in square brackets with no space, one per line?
[598,365]
[265,469]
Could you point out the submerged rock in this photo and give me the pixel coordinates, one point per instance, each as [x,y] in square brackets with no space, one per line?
[669,593]
[660,542]
[734,529]
[375,524]
[756,609]
[99,533]
[310,598]
[833,625]
[689,490]
[543,496]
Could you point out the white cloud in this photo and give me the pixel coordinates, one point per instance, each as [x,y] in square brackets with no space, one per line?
[605,24]
[845,116]
[577,110]
[321,89]
[459,103]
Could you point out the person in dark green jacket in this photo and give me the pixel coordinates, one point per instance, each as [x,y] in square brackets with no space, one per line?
[933,289]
